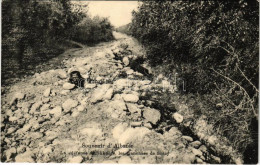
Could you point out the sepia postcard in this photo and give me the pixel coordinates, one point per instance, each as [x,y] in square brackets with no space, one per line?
[129,82]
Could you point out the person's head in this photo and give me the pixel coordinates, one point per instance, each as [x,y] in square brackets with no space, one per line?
[75,75]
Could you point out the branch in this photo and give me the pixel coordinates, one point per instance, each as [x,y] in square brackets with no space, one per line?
[240,88]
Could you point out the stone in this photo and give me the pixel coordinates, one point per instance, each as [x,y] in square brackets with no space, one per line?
[76,159]
[26,127]
[47,92]
[212,140]
[119,129]
[89,86]
[108,94]
[99,93]
[124,160]
[196,144]
[35,107]
[64,92]
[17,96]
[36,135]
[81,108]
[47,150]
[69,104]
[177,117]
[188,138]
[203,148]
[199,161]
[46,100]
[196,152]
[148,125]
[136,124]
[68,86]
[91,132]
[10,152]
[11,130]
[26,157]
[216,159]
[75,114]
[130,98]
[57,111]
[151,115]
[133,135]
[133,108]
[21,149]
[62,74]
[126,61]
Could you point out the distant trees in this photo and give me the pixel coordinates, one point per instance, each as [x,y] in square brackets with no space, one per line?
[35,27]
[214,46]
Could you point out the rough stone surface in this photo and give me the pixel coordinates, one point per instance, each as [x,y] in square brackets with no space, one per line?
[68,86]
[69,104]
[152,115]
[177,117]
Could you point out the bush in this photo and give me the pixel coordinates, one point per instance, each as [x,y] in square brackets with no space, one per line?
[213,45]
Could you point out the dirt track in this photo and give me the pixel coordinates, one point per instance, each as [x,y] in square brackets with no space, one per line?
[107,121]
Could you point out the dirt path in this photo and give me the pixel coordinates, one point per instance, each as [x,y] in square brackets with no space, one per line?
[108,121]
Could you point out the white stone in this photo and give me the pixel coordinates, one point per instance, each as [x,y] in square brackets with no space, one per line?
[99,92]
[188,138]
[47,92]
[133,108]
[119,129]
[26,157]
[17,96]
[125,160]
[133,134]
[212,140]
[56,111]
[126,61]
[89,86]
[91,132]
[64,92]
[68,86]
[130,98]
[178,117]
[76,159]
[69,104]
[151,115]
[196,152]
[81,108]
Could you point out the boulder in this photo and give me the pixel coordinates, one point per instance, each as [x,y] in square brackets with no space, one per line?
[177,117]
[61,74]
[151,115]
[68,86]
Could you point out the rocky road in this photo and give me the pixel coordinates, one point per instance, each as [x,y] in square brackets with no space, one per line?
[45,120]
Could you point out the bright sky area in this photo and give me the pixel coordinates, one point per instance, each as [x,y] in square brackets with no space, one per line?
[118,12]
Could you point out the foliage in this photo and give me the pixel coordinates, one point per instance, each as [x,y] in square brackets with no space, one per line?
[33,28]
[213,45]
[93,30]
